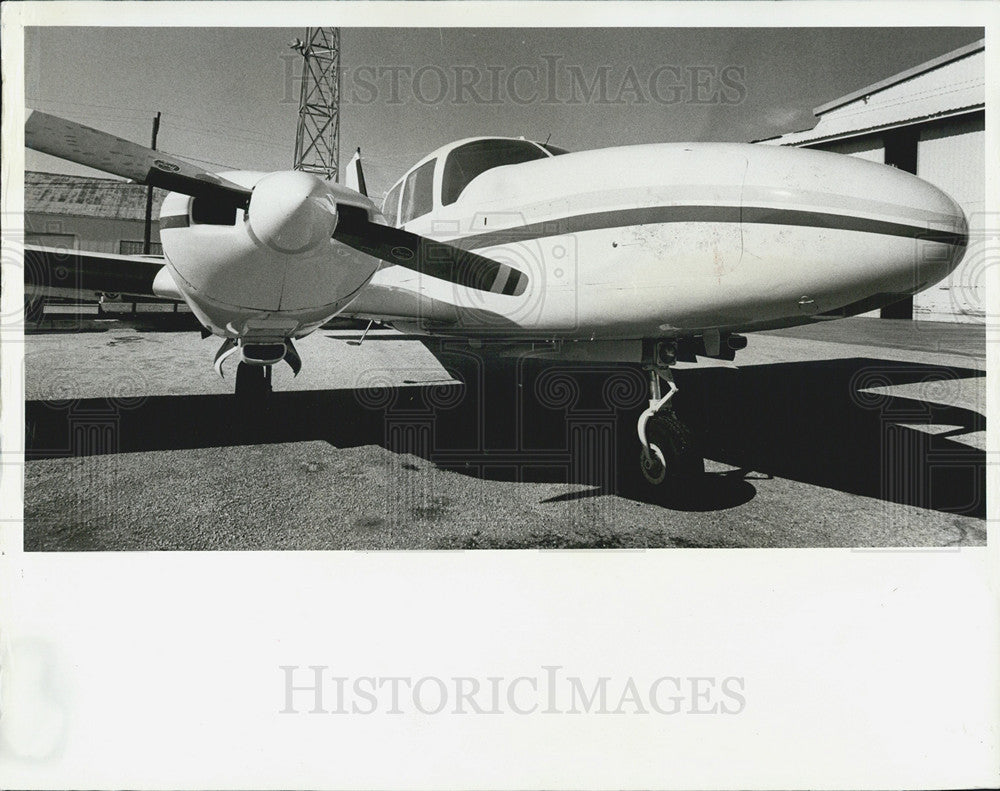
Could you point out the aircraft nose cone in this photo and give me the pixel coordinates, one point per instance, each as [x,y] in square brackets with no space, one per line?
[847,233]
[960,234]
[939,249]
[917,232]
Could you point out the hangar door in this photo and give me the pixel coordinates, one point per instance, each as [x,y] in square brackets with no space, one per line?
[952,157]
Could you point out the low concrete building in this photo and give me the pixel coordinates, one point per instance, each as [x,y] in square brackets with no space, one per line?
[928,120]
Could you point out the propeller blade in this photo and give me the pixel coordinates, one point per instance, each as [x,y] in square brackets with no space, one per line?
[102,151]
[427,256]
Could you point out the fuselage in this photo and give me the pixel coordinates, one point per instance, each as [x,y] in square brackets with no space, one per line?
[643,241]
[675,239]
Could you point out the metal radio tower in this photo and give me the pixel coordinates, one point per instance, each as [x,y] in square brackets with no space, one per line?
[317,138]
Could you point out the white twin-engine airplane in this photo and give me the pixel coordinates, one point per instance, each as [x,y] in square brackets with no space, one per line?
[636,254]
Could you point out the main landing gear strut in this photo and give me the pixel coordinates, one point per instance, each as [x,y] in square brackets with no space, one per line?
[668,454]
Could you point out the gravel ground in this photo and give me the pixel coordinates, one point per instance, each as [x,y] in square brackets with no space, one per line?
[135,444]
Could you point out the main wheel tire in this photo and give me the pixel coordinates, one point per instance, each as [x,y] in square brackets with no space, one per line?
[681,458]
[653,464]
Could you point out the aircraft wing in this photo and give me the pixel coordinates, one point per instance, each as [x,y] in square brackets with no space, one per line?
[54,271]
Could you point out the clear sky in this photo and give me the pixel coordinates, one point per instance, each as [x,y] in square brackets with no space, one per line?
[229,96]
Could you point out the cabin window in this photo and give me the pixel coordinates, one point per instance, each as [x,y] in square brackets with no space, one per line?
[418,192]
[391,206]
[466,162]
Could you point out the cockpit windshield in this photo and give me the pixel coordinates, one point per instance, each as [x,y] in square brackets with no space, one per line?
[466,162]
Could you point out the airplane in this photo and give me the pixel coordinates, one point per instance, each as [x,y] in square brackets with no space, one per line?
[641,254]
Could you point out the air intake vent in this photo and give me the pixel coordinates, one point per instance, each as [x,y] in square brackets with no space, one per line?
[205,211]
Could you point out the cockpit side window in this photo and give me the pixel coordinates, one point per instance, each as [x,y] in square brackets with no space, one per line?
[554,150]
[466,162]
[390,208]
[418,192]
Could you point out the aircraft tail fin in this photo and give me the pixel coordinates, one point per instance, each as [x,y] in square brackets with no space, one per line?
[354,178]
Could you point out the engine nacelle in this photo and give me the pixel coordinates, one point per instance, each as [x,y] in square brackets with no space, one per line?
[273,270]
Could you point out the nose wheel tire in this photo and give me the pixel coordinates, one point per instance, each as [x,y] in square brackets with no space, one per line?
[253,382]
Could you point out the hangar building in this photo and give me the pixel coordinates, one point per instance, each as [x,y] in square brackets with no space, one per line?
[928,120]
[103,215]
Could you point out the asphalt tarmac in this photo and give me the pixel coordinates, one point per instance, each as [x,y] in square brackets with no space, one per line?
[857,433]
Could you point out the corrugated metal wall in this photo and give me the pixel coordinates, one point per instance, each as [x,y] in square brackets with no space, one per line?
[954,85]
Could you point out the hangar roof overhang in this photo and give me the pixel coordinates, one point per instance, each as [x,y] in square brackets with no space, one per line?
[949,85]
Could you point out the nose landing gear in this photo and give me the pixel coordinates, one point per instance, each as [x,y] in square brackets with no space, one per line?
[253,382]
[253,374]
[668,454]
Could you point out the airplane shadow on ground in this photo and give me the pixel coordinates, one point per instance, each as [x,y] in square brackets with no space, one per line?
[816,422]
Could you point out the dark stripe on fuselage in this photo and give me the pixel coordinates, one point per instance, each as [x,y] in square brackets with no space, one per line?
[842,222]
[655,215]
